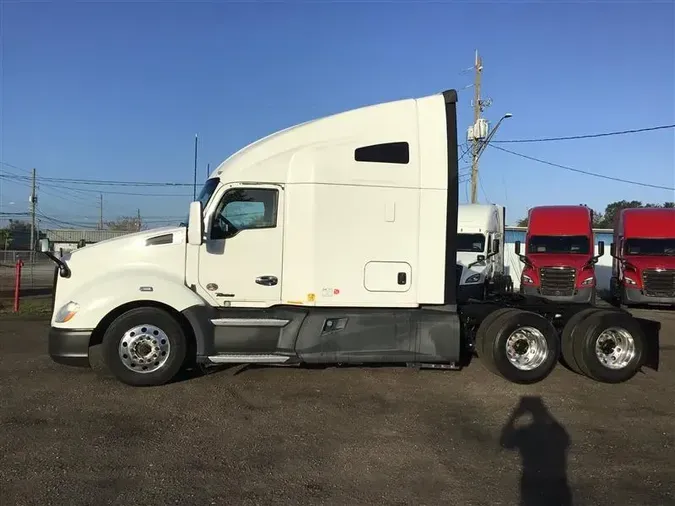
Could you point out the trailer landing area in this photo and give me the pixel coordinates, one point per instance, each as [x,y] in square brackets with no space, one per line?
[331,436]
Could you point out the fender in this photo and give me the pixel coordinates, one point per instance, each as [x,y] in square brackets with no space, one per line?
[114,289]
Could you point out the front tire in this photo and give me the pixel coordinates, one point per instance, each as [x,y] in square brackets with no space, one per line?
[521,346]
[145,346]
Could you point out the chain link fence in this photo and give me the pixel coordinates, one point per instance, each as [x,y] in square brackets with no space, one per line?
[37,273]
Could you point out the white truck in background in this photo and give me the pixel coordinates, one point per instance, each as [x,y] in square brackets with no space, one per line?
[480,251]
[333,241]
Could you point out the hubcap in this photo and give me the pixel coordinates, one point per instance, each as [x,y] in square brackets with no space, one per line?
[615,348]
[526,348]
[144,348]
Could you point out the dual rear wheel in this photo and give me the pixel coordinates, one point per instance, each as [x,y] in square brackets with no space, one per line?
[520,346]
[523,347]
[604,344]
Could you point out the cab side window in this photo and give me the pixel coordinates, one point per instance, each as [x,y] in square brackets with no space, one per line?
[244,209]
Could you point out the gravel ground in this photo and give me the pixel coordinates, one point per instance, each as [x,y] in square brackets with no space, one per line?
[330,436]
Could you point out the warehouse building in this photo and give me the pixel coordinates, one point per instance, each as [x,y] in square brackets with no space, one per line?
[63,240]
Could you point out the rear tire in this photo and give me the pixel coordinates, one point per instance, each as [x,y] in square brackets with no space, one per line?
[521,346]
[569,334]
[609,346]
[487,321]
[145,346]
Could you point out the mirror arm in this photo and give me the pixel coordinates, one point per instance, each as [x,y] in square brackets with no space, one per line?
[64,270]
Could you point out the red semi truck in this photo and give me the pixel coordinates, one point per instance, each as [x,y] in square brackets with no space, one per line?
[560,258]
[643,251]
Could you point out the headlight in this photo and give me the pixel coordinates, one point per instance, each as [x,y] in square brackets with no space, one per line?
[526,279]
[587,281]
[629,281]
[474,278]
[67,312]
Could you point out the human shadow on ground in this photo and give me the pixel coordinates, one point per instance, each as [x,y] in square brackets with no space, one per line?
[543,444]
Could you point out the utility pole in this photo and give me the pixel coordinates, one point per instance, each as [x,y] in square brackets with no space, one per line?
[139,220]
[194,186]
[100,222]
[33,203]
[477,109]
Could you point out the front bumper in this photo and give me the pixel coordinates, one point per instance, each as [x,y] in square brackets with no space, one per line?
[582,295]
[69,346]
[635,296]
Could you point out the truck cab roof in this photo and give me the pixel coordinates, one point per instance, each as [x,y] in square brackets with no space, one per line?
[334,149]
[651,222]
[560,220]
[481,218]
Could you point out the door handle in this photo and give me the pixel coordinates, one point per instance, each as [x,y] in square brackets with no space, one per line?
[267,280]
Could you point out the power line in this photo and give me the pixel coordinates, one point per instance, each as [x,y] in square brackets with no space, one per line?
[480,182]
[86,191]
[588,173]
[101,182]
[588,136]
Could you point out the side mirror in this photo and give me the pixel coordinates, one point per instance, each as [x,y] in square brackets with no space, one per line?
[44,245]
[495,246]
[601,248]
[480,258]
[517,246]
[195,229]
[612,250]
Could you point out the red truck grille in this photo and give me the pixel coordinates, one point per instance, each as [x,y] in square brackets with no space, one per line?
[659,283]
[557,281]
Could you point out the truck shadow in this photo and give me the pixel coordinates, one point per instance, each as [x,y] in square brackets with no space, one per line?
[543,444]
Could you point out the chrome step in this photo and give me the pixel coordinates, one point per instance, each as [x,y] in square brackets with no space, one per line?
[249,322]
[240,358]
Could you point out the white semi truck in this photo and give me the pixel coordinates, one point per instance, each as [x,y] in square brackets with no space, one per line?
[333,241]
[480,251]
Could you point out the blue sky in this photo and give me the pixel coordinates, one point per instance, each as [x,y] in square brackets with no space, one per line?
[107,90]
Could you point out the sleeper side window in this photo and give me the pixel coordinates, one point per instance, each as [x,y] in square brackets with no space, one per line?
[245,209]
[390,152]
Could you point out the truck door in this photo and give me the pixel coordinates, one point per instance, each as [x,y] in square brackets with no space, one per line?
[240,260]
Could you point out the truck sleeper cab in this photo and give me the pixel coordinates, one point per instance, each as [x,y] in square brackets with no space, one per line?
[643,257]
[333,241]
[559,263]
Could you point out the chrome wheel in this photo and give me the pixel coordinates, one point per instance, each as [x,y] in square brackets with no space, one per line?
[526,348]
[615,348]
[144,348]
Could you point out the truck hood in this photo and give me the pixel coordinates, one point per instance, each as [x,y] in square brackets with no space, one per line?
[651,262]
[159,252]
[465,258]
[162,235]
[539,260]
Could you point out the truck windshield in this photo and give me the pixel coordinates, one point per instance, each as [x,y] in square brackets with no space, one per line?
[474,243]
[650,247]
[205,194]
[572,244]
[207,190]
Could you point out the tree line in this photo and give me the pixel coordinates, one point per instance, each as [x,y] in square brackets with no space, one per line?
[606,219]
